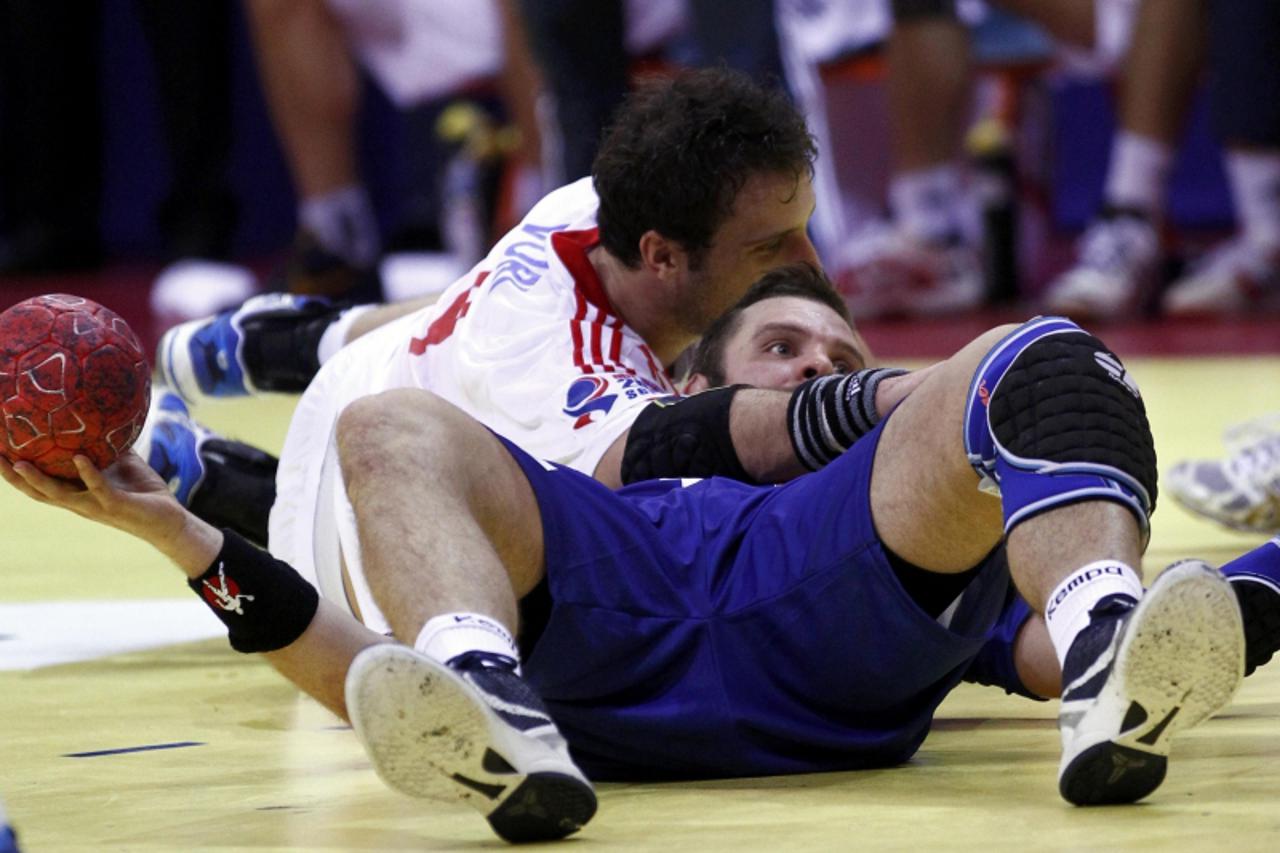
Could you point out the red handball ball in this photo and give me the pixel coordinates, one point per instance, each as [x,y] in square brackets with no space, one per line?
[73,379]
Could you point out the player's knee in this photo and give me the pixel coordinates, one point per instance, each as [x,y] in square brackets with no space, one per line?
[1069,399]
[384,429]
[1054,417]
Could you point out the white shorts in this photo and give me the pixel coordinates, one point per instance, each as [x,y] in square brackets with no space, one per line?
[312,525]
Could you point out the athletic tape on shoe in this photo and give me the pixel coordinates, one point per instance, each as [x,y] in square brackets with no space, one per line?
[1053,418]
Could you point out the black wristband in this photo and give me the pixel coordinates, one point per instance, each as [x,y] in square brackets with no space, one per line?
[826,415]
[264,602]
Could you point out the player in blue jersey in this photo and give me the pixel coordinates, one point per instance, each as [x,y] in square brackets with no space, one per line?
[712,627]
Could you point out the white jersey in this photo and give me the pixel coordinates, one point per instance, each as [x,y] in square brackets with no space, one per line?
[526,343]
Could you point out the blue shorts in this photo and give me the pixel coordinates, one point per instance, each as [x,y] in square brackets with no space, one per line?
[712,628]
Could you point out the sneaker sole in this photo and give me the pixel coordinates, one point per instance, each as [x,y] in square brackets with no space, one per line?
[1180,660]
[430,736]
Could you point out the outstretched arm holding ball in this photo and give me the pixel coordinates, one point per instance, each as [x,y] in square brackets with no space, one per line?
[266,606]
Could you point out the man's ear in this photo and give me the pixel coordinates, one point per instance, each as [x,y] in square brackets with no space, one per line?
[661,255]
[695,383]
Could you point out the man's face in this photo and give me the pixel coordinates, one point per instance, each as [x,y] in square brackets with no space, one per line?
[783,341]
[766,230]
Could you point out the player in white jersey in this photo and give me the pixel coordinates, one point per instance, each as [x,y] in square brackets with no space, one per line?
[527,343]
[562,333]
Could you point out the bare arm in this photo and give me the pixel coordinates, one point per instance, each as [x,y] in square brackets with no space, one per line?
[129,496]
[758,424]
[758,428]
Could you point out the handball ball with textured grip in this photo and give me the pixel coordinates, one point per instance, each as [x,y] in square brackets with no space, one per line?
[73,379]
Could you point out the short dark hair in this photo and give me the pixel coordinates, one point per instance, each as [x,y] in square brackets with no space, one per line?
[805,281]
[679,151]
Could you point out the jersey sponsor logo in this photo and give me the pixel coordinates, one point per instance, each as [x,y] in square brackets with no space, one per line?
[586,397]
[226,595]
[633,386]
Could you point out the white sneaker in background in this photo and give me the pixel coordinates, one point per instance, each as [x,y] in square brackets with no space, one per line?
[1236,278]
[1117,259]
[884,271]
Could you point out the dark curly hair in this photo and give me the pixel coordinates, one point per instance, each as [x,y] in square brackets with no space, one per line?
[679,151]
[803,280]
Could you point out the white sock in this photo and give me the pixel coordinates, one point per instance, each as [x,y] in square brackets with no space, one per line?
[1067,612]
[927,203]
[445,637]
[1137,173]
[342,221]
[335,336]
[1255,185]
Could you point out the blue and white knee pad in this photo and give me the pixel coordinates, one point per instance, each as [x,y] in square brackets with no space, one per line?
[1053,418]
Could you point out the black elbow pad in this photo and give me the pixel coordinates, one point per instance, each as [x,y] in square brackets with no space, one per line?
[687,437]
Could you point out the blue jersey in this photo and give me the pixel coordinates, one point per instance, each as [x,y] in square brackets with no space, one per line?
[712,628]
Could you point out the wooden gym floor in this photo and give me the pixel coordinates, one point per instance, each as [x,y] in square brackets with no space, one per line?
[189,746]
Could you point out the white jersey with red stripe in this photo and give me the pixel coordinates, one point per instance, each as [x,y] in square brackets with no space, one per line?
[527,343]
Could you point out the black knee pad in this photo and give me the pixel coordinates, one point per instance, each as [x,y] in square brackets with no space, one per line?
[1066,405]
[1053,418]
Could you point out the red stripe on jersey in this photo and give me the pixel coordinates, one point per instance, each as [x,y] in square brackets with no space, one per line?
[658,373]
[597,351]
[615,347]
[572,247]
[442,327]
[575,331]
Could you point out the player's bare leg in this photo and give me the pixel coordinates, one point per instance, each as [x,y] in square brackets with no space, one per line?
[464,505]
[312,88]
[1136,668]
[1119,253]
[451,537]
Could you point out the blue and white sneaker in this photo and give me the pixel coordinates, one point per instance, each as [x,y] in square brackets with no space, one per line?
[471,732]
[1139,674]
[170,442]
[267,344]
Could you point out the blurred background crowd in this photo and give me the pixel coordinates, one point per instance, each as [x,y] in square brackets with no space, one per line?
[1105,159]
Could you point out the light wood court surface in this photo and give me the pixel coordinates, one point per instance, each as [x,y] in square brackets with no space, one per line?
[265,769]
